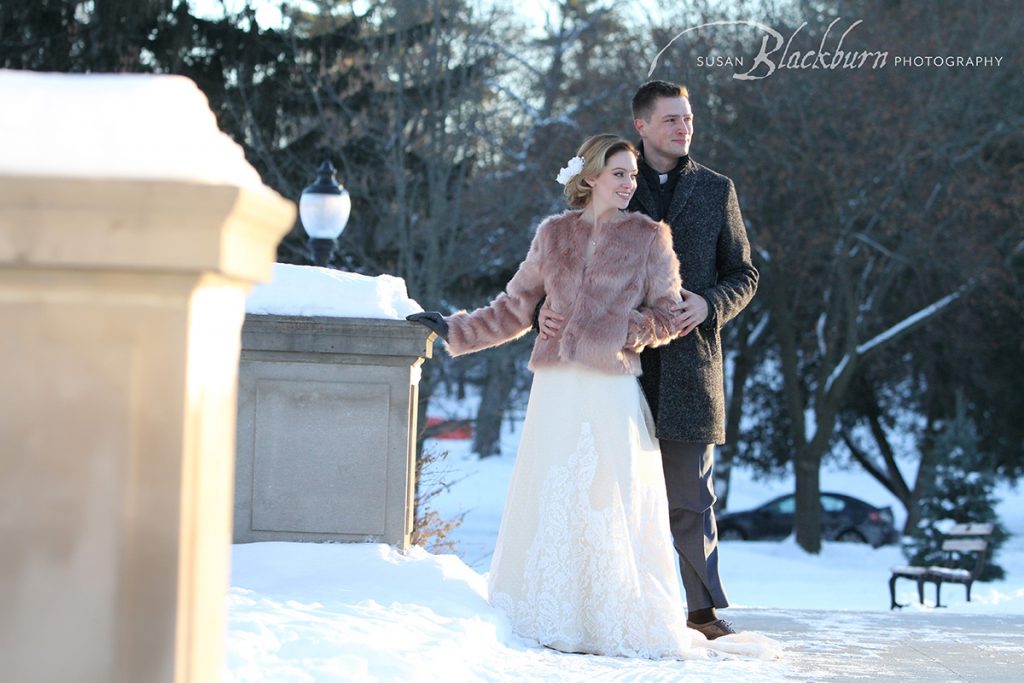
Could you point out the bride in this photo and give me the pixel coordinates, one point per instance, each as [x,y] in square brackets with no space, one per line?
[584,560]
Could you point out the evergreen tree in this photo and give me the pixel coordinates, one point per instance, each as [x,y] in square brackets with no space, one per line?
[962,494]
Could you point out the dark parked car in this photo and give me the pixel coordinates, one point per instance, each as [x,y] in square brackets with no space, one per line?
[843,518]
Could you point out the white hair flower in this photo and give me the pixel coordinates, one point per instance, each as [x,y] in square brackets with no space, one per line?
[570,170]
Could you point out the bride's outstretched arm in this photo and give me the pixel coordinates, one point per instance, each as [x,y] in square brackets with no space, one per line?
[652,324]
[509,316]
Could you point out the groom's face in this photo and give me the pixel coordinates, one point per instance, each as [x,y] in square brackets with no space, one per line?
[669,129]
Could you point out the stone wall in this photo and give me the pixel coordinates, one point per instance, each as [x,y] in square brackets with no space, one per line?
[326,429]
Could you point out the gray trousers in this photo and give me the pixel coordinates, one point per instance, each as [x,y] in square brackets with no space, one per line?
[691,495]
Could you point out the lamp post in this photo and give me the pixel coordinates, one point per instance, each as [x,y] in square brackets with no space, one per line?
[324,209]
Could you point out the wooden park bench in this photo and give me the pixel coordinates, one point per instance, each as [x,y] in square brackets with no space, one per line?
[960,540]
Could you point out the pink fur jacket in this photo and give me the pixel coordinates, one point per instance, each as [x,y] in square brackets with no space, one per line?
[614,306]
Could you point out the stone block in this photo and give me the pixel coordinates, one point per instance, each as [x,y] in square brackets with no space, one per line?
[122,303]
[327,429]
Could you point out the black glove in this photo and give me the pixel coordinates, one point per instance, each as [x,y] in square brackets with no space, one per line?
[432,320]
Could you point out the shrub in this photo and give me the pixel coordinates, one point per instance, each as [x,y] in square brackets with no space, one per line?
[430,530]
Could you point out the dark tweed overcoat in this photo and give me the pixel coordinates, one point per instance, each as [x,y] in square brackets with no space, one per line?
[683,381]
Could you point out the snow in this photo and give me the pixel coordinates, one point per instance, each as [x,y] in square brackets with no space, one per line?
[367,612]
[819,329]
[348,611]
[134,126]
[312,291]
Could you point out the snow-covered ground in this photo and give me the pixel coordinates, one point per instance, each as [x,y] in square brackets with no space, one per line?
[332,612]
[344,612]
[756,573]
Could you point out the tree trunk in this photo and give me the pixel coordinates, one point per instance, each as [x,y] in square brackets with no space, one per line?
[806,453]
[807,521]
[727,452]
[500,380]
[723,475]
[925,480]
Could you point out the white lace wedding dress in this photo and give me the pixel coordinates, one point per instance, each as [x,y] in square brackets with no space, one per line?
[584,559]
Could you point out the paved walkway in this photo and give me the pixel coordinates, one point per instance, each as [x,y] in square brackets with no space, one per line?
[907,646]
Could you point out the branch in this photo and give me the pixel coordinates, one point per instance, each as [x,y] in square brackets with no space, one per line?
[513,56]
[867,240]
[819,329]
[759,328]
[992,133]
[865,460]
[932,197]
[901,490]
[836,372]
[912,321]
[524,106]
[897,330]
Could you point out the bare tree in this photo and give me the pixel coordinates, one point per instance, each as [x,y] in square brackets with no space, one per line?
[862,207]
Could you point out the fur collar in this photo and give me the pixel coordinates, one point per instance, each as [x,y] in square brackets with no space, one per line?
[630,218]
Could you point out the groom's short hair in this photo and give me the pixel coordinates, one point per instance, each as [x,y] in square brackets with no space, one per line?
[646,96]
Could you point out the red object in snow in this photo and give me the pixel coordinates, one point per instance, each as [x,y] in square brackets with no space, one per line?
[462,431]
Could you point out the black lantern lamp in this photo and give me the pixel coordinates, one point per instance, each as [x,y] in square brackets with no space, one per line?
[324,209]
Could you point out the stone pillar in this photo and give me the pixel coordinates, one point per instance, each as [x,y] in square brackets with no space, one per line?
[327,429]
[122,303]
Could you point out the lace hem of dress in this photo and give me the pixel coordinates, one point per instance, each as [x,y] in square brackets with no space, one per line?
[590,583]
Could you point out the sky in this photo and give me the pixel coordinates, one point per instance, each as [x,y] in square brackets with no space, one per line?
[268,12]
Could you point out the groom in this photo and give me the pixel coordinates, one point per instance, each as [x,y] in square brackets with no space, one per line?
[683,381]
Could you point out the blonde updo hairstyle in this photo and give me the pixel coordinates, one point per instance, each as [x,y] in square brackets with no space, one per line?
[595,151]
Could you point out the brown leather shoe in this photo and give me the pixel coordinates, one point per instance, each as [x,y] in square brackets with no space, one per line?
[713,629]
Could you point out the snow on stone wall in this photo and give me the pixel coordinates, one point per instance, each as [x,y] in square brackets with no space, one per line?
[312,291]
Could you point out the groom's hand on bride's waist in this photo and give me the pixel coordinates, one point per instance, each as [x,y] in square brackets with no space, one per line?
[550,323]
[690,312]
